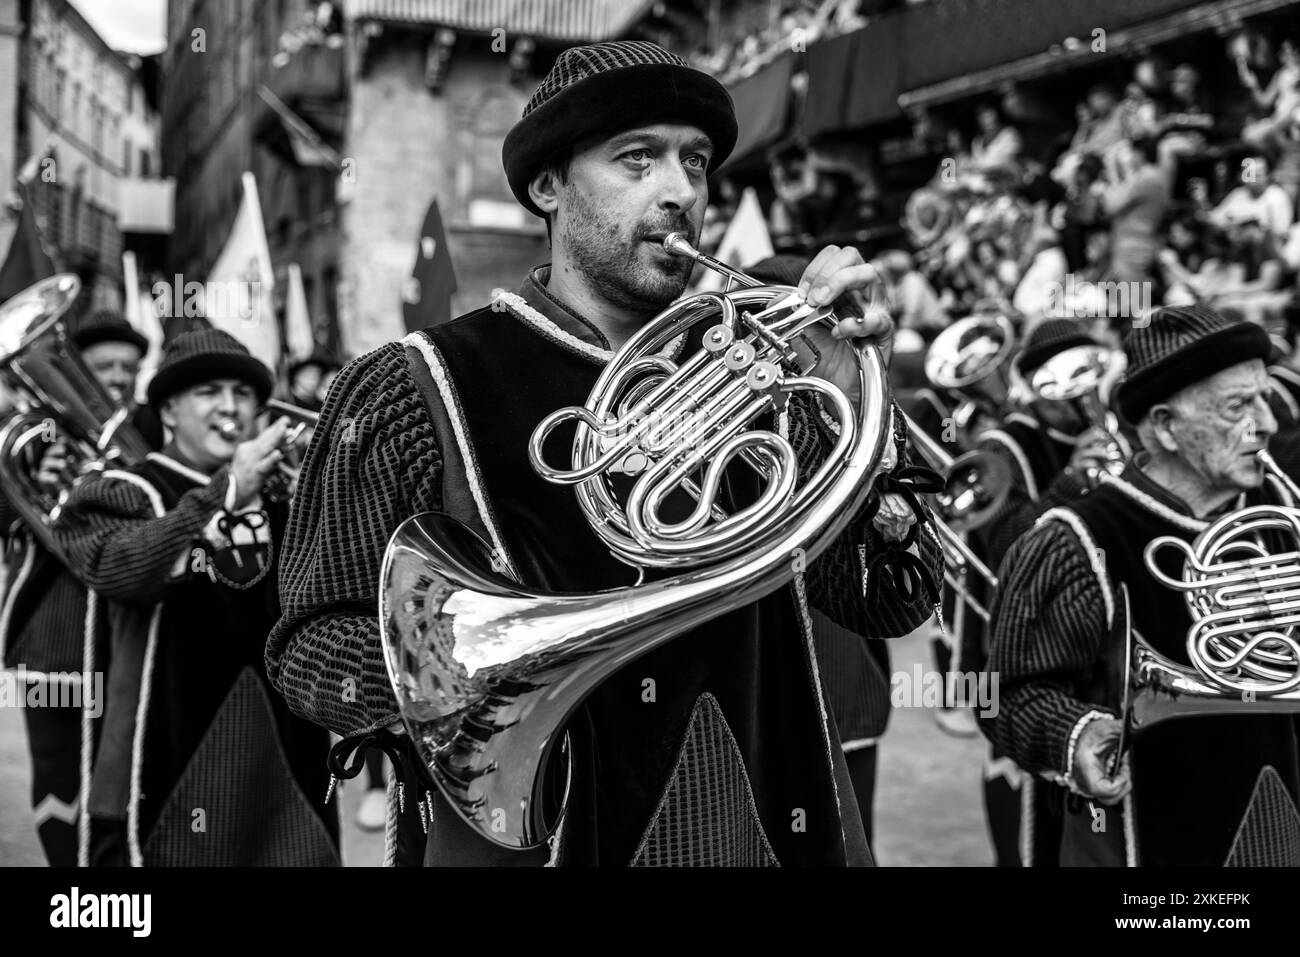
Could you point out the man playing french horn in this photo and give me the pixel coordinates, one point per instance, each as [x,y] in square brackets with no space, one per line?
[716,747]
[1202,790]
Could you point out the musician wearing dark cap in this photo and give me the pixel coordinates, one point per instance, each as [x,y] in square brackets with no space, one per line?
[737,760]
[310,378]
[1206,791]
[199,762]
[42,619]
[1048,448]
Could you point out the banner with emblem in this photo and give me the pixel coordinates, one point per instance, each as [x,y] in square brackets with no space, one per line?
[426,294]
[239,288]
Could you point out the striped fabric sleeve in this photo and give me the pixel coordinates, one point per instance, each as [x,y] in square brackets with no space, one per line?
[1049,630]
[835,581]
[373,462]
[1019,512]
[116,545]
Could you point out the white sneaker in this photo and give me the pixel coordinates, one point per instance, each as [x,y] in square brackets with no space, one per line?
[373,810]
[958,722]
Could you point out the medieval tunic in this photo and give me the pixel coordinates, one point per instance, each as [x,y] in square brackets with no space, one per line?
[200,761]
[42,627]
[1037,459]
[735,760]
[1206,791]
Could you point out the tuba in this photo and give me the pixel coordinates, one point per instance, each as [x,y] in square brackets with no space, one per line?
[58,397]
[1244,599]
[487,672]
[1076,375]
[972,359]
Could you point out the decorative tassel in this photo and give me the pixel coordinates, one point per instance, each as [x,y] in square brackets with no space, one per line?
[329,793]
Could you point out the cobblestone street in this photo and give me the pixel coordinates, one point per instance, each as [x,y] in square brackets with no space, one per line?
[927,806]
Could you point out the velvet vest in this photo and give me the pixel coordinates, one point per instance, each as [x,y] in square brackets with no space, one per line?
[508,374]
[1193,778]
[210,637]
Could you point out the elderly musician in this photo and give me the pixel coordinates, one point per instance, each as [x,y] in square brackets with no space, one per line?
[1196,791]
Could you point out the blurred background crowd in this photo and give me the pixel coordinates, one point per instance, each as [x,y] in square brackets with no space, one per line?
[1176,177]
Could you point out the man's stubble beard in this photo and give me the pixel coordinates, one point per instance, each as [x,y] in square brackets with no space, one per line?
[611,268]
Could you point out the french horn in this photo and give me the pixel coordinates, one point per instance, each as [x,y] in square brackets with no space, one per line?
[1244,600]
[488,671]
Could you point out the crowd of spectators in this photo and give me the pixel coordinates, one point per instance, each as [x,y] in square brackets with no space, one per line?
[799,24]
[1185,195]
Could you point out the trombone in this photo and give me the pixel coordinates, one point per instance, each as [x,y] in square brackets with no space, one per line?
[975,487]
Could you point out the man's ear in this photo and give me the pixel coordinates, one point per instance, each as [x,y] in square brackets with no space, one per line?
[167,412]
[543,191]
[1162,420]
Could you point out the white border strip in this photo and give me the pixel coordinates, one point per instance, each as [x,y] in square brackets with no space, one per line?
[521,310]
[1095,559]
[11,594]
[1151,505]
[448,394]
[146,680]
[1014,447]
[169,463]
[87,728]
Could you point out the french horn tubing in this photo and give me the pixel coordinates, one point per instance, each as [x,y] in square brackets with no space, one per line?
[487,671]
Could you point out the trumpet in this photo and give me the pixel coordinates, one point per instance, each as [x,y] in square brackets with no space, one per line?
[972,359]
[487,671]
[1076,375]
[1244,641]
[279,486]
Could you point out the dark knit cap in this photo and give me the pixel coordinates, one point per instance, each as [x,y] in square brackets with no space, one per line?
[1180,346]
[202,356]
[105,325]
[319,358]
[1049,338]
[606,88]
[782,270]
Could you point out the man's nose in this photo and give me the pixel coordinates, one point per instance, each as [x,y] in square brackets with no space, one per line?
[1265,421]
[676,188]
[226,401]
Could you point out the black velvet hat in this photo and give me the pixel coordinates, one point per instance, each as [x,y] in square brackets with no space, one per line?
[1180,346]
[1050,338]
[319,358]
[606,88]
[106,325]
[204,355]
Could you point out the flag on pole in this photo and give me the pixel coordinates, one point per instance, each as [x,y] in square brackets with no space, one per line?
[239,289]
[27,261]
[746,241]
[426,295]
[301,341]
[142,313]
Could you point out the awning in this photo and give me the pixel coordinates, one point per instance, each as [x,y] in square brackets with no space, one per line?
[146,205]
[553,19]
[853,80]
[294,137]
[762,107]
[1034,46]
